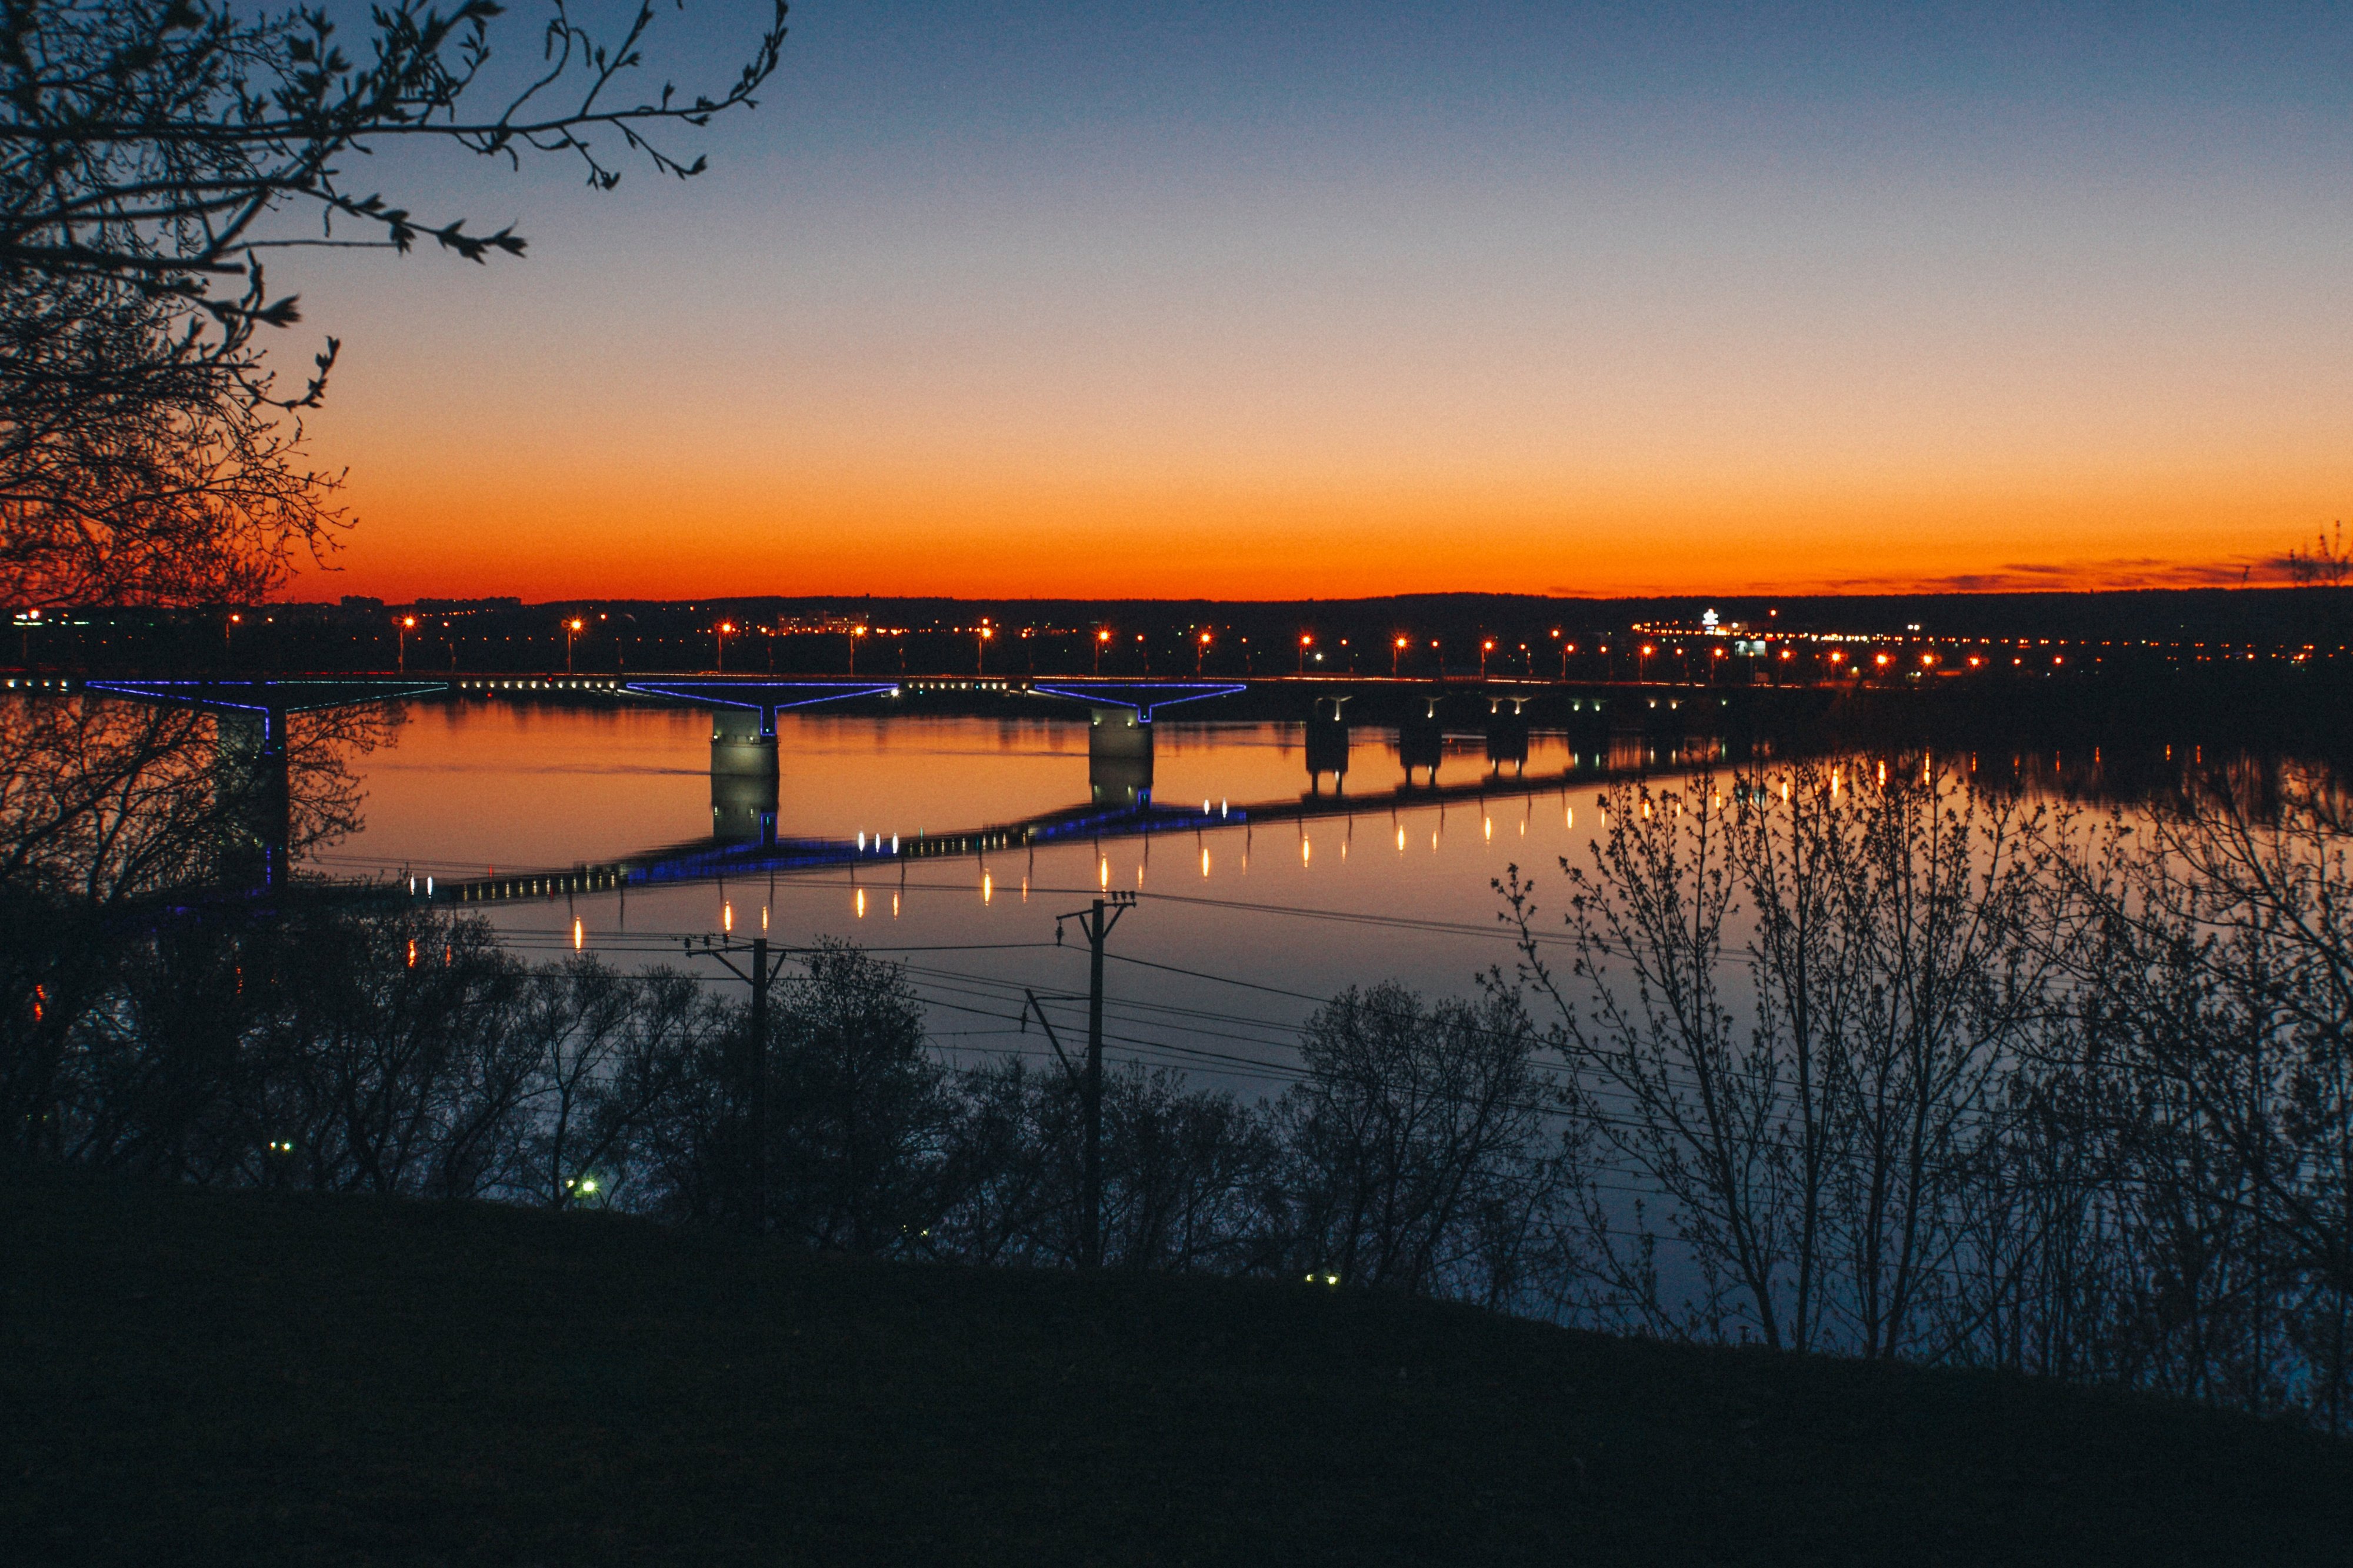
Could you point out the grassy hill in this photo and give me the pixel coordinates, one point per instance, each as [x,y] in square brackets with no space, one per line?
[196,1377]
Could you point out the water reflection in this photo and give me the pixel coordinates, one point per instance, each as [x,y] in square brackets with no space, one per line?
[942,817]
[106,800]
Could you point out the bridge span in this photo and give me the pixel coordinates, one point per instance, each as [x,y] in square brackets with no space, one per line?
[1123,717]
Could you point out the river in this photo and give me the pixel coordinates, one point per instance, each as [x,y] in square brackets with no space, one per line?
[1239,929]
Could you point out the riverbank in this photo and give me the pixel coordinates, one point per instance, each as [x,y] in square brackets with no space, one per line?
[198,1376]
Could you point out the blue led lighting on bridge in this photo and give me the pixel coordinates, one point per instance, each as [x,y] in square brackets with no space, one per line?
[1144,698]
[321,694]
[730,693]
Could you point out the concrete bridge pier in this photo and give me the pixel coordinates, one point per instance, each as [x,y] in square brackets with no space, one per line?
[744,808]
[1118,757]
[1507,734]
[744,774]
[744,740]
[1421,744]
[1327,746]
[1589,732]
[250,783]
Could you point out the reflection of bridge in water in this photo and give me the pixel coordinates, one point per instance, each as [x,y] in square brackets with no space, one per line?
[720,857]
[1613,732]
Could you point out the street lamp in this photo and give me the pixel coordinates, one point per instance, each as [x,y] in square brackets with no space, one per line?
[1486,647]
[1200,652]
[402,627]
[228,632]
[725,627]
[571,630]
[855,632]
[1102,638]
[1642,666]
[980,649]
[1306,642]
[1397,651]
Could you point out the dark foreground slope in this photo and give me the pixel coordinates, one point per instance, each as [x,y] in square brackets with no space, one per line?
[194,1377]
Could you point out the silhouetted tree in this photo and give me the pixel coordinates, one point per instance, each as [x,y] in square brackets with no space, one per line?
[105,805]
[151,151]
[2325,565]
[1414,1144]
[152,140]
[1187,1176]
[2224,979]
[142,461]
[1789,1009]
[1191,1176]
[857,1108]
[1010,1179]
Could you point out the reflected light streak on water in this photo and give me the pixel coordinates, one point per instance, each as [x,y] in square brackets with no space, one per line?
[480,784]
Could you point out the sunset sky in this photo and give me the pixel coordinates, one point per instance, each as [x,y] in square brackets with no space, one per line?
[1279,298]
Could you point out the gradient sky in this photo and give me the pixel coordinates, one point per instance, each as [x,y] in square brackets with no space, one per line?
[1280,299]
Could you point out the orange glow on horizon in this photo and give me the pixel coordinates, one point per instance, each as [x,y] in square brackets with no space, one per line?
[1358,491]
[615,559]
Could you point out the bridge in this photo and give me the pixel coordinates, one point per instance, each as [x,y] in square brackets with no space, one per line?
[249,747]
[1121,722]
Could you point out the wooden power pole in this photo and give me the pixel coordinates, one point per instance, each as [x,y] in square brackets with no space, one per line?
[747,1091]
[1096,921]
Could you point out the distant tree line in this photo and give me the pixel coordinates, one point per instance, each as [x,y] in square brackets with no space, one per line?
[1861,1059]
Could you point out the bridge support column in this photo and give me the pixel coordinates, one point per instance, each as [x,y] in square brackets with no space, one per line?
[744,774]
[256,800]
[1507,734]
[744,740]
[1421,744]
[1327,746]
[1118,757]
[1588,729]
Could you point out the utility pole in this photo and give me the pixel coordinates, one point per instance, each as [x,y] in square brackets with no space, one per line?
[747,1092]
[1096,921]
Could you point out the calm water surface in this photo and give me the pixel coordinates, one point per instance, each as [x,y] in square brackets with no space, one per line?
[1265,916]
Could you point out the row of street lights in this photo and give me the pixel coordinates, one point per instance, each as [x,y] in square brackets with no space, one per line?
[984,634]
[1202,641]
[573,627]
